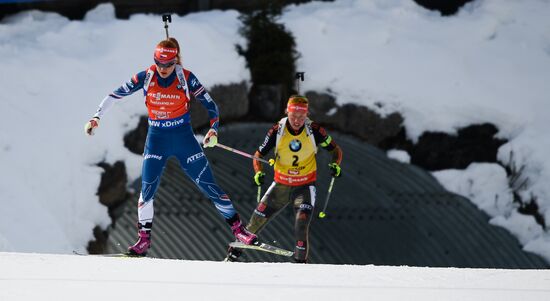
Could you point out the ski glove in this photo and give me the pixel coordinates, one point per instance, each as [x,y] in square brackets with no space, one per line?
[211,138]
[335,170]
[91,125]
[259,178]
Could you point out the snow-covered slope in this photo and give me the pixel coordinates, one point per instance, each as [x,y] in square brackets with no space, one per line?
[72,277]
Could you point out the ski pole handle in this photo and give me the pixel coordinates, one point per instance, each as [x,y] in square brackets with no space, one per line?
[322,214]
[166,19]
[236,151]
[299,76]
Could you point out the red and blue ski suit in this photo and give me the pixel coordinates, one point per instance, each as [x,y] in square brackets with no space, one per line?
[170,134]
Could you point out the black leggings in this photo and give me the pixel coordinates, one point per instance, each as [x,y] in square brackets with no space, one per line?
[277,197]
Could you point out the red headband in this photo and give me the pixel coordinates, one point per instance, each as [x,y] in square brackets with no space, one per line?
[165,54]
[297,107]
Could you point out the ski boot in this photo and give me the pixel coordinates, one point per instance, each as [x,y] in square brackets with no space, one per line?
[233,254]
[296,260]
[240,232]
[142,245]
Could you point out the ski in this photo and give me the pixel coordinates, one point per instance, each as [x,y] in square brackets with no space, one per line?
[121,255]
[262,247]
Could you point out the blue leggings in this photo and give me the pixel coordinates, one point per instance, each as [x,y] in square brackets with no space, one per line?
[179,142]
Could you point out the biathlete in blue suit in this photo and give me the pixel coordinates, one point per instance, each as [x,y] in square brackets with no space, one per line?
[167,86]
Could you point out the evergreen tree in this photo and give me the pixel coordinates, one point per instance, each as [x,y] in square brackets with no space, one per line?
[270,51]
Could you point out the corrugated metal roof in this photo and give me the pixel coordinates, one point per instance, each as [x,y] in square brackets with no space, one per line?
[381,212]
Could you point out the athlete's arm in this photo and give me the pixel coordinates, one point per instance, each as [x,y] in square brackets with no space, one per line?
[264,149]
[206,100]
[128,88]
[323,139]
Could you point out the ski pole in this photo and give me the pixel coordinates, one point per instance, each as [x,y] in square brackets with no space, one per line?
[270,162]
[299,76]
[259,194]
[166,19]
[322,213]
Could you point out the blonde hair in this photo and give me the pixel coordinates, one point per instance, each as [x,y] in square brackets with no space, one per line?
[172,43]
[297,103]
[298,99]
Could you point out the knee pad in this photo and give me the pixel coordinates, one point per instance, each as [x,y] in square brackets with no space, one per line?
[263,210]
[304,211]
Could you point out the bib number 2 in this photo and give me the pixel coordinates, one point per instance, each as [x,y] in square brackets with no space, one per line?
[294,160]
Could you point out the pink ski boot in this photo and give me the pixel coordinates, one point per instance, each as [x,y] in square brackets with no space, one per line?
[242,234]
[142,245]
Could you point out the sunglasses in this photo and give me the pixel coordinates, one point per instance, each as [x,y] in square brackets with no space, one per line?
[165,65]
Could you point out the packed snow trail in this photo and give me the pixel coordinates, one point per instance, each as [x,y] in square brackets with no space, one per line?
[71,277]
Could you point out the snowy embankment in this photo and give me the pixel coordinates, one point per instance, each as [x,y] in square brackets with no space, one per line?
[489,63]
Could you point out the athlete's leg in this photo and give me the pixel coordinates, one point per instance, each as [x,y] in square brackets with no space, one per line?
[274,200]
[154,159]
[196,166]
[304,202]
[150,179]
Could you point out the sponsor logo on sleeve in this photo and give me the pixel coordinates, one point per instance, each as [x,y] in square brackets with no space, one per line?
[208,98]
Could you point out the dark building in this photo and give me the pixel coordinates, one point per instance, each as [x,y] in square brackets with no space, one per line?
[75,10]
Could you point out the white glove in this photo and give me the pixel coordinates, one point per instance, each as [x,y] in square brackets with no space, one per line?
[211,138]
[91,125]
